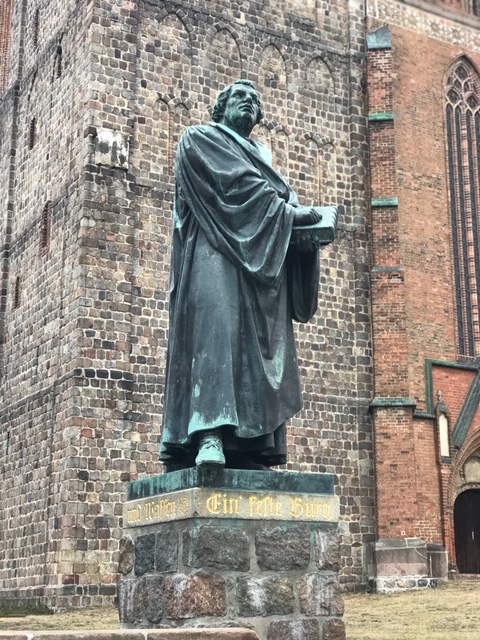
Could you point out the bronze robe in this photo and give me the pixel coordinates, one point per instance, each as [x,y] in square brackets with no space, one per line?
[236,284]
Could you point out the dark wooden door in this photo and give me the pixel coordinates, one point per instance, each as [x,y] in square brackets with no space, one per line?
[467,531]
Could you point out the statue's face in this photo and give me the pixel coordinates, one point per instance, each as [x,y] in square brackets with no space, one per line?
[241,110]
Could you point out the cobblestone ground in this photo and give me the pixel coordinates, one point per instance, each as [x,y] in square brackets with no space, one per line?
[451,612]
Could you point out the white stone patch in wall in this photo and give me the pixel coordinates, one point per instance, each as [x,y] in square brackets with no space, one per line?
[305,8]
[472,470]
[112,148]
[444,441]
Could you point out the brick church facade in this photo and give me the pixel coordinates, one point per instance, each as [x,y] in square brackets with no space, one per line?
[368,105]
[423,96]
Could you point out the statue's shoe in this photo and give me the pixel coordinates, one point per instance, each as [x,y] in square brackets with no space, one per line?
[210,452]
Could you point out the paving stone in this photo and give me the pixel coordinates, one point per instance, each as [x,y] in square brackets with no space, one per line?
[202,634]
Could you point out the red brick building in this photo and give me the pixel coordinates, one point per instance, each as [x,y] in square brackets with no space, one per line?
[424,119]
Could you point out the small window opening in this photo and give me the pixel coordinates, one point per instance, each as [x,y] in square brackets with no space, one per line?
[58,63]
[32,133]
[45,227]
[16,296]
[36,28]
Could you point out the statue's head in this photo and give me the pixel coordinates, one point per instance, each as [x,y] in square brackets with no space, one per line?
[238,106]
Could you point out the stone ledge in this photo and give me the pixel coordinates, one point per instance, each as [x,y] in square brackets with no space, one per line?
[394,584]
[144,634]
[233,479]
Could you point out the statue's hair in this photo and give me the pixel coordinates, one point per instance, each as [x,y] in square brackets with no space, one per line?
[219,106]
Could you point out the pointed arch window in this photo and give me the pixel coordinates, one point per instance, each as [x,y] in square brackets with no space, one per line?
[462,92]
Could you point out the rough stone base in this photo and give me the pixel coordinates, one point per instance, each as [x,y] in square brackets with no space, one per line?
[278,577]
[408,563]
[402,583]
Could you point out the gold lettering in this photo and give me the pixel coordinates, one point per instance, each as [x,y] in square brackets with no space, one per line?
[184,506]
[296,507]
[160,510]
[134,514]
[224,504]
[264,507]
[233,506]
[213,504]
[311,509]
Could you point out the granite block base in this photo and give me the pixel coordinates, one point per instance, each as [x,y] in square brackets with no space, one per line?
[265,559]
[408,563]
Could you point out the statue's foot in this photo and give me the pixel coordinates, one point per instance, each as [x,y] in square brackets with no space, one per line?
[210,451]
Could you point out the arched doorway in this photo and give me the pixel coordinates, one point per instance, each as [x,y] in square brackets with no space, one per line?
[467,531]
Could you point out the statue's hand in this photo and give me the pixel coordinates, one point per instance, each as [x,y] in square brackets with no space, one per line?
[305,216]
[308,244]
[306,239]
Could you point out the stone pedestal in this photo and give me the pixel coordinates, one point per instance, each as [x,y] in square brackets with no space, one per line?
[233,548]
[408,563]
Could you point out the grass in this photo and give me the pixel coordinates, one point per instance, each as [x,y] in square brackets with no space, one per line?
[13,612]
[451,612]
[76,619]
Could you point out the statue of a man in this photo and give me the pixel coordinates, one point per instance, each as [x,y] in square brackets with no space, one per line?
[236,284]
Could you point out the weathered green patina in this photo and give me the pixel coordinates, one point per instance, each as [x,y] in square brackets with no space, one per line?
[237,282]
[238,479]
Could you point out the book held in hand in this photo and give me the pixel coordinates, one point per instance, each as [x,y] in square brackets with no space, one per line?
[322,232]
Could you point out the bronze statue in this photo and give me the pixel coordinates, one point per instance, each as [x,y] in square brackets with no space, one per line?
[236,284]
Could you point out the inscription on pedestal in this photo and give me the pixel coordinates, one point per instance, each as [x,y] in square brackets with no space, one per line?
[245,505]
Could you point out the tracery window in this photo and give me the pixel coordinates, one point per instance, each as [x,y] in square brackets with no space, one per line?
[462,93]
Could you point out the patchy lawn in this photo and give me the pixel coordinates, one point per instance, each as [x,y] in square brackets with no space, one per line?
[451,612]
[83,619]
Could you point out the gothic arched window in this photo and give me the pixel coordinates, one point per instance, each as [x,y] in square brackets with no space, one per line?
[462,93]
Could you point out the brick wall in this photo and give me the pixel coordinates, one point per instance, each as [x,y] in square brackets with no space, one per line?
[413,290]
[84,340]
